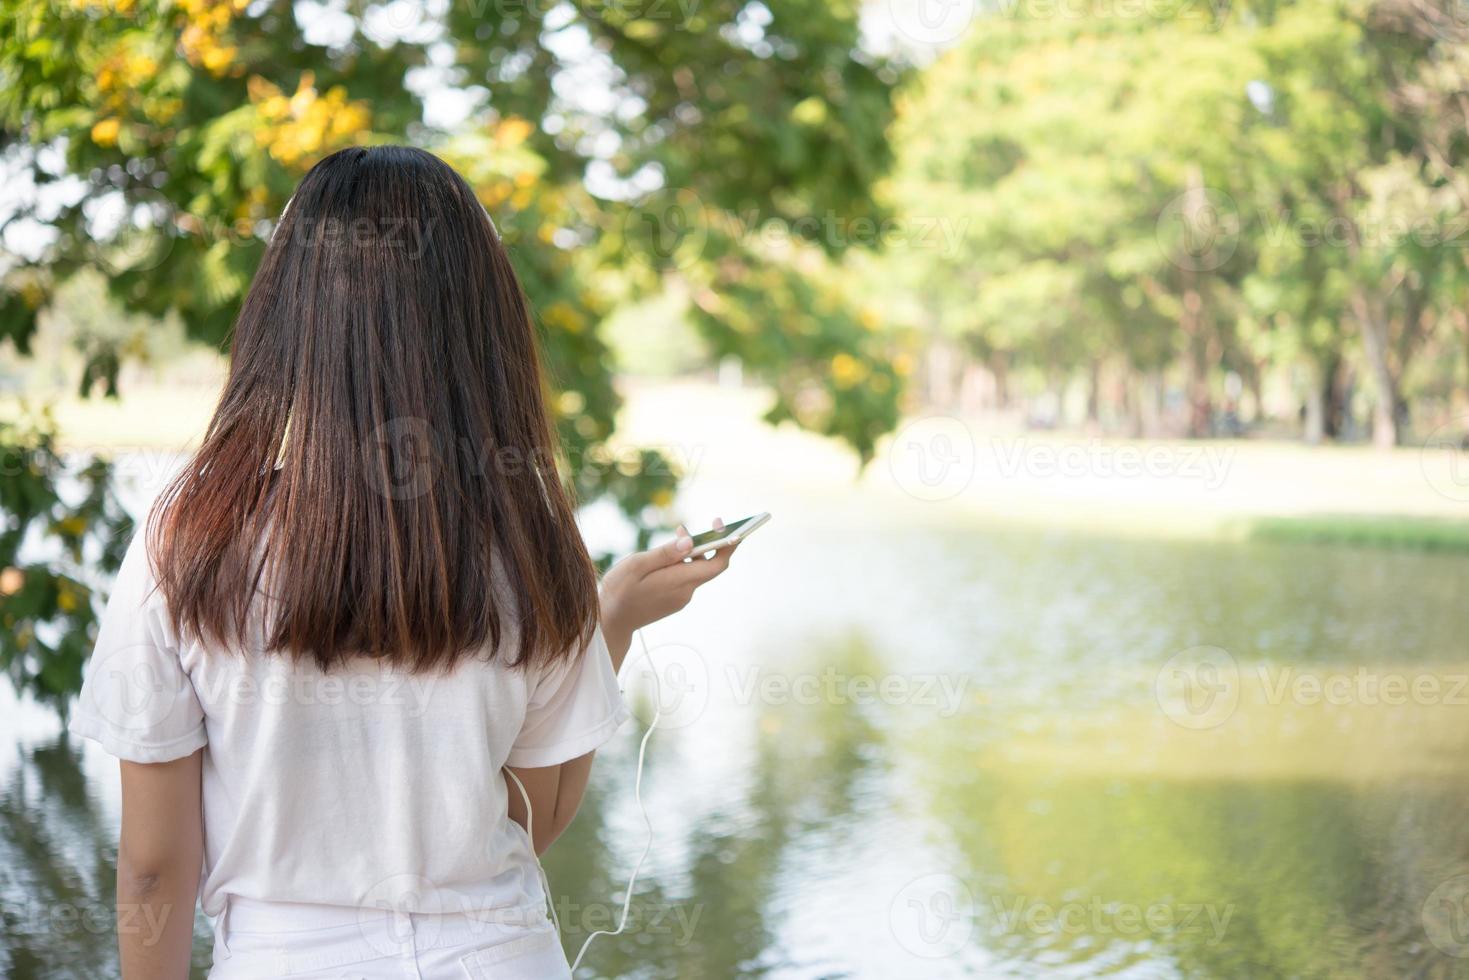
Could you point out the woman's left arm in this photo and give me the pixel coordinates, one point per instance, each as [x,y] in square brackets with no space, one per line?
[159,856]
[641,589]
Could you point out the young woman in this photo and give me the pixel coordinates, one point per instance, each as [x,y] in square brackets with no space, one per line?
[362,616]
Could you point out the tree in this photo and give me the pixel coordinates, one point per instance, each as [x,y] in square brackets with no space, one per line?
[1233,191]
[164,136]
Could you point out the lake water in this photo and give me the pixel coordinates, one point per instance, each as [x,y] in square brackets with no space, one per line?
[949,749]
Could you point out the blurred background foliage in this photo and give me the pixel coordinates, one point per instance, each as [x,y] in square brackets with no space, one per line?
[1267,197]
[1155,219]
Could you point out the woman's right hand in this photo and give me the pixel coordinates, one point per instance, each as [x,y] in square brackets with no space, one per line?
[649,585]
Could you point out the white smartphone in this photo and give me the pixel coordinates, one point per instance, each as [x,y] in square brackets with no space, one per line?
[731,534]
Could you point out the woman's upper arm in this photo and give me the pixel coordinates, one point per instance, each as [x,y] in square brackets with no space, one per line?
[162,817]
[555,794]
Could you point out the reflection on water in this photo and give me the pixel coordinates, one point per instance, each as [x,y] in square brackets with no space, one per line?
[58,861]
[970,752]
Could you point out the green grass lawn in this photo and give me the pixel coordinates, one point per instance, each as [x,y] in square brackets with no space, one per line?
[1368,530]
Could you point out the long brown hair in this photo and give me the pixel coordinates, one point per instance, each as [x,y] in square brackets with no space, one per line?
[380,464]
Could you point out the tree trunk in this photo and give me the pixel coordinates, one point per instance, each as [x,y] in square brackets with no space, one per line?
[1317,397]
[1000,368]
[1200,399]
[942,368]
[1374,326]
[1131,400]
[1094,392]
[1150,405]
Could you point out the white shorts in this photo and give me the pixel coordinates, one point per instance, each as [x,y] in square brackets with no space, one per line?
[255,940]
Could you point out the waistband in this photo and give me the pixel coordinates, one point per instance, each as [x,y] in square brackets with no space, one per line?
[303,925]
[253,915]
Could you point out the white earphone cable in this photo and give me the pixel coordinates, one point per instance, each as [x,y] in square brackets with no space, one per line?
[643,810]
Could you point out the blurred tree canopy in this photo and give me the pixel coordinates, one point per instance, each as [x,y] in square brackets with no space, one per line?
[1206,190]
[163,137]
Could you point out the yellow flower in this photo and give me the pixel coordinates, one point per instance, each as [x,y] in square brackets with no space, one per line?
[307,125]
[514,131]
[562,315]
[495,194]
[202,37]
[662,497]
[847,371]
[104,132]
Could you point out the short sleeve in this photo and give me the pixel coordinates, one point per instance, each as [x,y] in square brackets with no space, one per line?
[573,708]
[137,702]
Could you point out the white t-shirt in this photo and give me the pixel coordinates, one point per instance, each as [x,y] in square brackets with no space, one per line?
[363,787]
